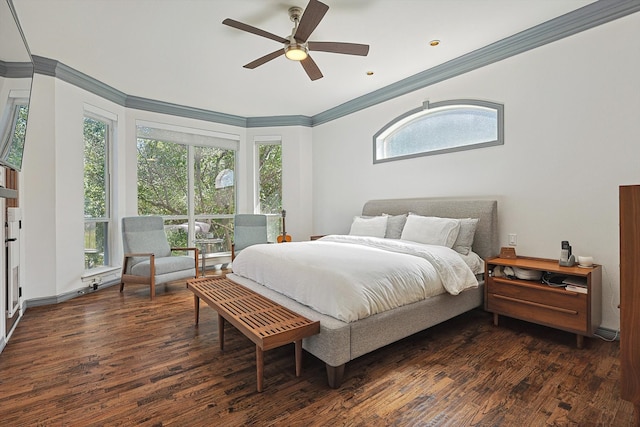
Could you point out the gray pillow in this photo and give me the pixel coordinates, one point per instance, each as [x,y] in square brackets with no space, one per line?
[395,224]
[467,232]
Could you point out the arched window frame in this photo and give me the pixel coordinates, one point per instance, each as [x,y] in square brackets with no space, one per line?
[427,110]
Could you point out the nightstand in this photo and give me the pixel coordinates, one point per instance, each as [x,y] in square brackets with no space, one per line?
[538,302]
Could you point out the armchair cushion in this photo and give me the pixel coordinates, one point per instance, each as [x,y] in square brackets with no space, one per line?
[165,265]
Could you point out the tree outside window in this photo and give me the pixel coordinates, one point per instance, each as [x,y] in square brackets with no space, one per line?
[187,179]
[270,185]
[96,193]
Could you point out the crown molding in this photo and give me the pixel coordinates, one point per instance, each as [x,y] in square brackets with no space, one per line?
[146,104]
[53,68]
[258,122]
[16,70]
[587,17]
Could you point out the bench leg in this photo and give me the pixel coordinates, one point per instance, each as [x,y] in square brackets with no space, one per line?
[259,367]
[221,331]
[298,357]
[196,305]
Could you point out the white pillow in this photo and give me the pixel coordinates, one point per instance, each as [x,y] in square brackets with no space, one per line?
[431,230]
[373,227]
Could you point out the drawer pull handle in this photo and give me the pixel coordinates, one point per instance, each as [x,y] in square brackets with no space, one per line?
[535,304]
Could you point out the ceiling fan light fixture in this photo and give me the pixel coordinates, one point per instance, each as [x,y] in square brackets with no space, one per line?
[295,52]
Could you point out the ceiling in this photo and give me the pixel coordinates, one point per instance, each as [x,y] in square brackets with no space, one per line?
[178,51]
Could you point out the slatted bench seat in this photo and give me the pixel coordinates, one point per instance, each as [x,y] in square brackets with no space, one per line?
[266,323]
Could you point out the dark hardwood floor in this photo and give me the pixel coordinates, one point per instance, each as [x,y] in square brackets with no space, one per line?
[107,359]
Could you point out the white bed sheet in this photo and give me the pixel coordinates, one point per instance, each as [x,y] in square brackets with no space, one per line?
[353,277]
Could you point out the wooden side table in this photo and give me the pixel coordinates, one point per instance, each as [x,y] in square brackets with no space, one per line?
[537,302]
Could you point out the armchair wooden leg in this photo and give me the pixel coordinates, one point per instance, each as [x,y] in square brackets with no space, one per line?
[152,276]
[121,286]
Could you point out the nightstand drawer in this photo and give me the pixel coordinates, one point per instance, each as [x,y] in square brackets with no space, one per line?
[538,293]
[546,314]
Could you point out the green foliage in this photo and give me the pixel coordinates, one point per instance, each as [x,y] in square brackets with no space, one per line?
[95,168]
[163,184]
[270,175]
[95,192]
[176,236]
[209,164]
[16,148]
[95,235]
[162,178]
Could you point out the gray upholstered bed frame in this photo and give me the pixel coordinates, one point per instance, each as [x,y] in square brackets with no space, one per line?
[340,342]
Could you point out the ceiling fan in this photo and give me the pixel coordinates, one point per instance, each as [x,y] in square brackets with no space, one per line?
[297,45]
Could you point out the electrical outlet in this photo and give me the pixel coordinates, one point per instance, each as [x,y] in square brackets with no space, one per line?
[513,240]
[95,282]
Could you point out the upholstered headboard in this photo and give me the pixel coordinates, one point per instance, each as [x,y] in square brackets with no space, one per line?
[485,243]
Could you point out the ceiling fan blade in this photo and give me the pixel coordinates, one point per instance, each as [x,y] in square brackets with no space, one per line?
[311,68]
[253,30]
[338,47]
[264,59]
[311,17]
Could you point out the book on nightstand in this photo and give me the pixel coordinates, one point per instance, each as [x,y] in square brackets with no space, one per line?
[576,284]
[579,289]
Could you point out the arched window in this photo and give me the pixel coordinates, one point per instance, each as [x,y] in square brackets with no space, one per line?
[439,128]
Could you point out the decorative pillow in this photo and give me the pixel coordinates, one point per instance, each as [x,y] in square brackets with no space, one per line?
[431,230]
[395,224]
[373,227]
[467,232]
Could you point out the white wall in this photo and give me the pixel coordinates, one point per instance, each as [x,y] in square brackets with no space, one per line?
[572,124]
[52,193]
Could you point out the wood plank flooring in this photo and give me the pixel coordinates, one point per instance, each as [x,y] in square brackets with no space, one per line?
[111,359]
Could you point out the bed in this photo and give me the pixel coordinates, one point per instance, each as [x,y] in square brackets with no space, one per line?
[343,338]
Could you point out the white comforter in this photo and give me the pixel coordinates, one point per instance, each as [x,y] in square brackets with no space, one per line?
[353,277]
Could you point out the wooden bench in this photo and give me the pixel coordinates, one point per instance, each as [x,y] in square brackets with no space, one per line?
[266,323]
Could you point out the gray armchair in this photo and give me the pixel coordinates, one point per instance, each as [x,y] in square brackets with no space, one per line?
[147,255]
[248,229]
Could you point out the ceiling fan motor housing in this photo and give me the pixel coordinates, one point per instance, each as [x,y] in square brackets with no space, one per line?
[295,13]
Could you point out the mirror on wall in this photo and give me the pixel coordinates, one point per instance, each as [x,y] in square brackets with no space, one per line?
[16,74]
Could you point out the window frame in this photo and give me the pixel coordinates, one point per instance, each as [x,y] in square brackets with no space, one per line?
[110,123]
[191,138]
[16,101]
[432,108]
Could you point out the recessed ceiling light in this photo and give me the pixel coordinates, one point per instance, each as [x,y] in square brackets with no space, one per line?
[369,73]
[434,42]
